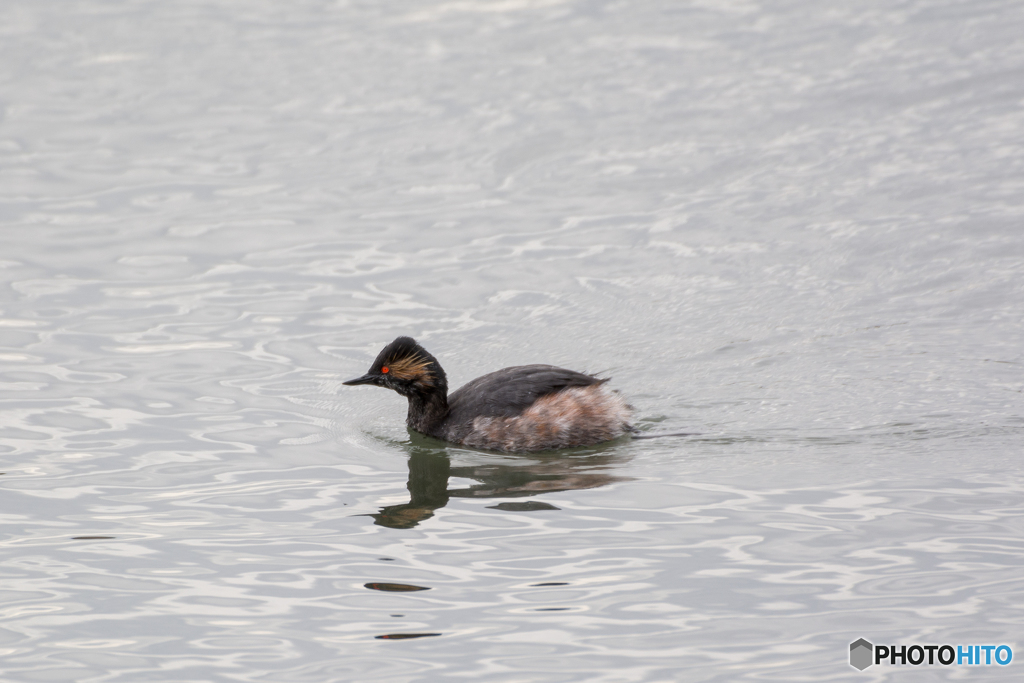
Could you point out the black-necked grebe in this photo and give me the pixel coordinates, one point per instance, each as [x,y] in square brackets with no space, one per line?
[517,410]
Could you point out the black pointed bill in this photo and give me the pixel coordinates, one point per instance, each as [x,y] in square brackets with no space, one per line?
[365,379]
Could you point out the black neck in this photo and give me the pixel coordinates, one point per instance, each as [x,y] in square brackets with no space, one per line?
[427,410]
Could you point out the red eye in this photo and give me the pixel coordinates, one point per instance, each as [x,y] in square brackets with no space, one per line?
[384,369]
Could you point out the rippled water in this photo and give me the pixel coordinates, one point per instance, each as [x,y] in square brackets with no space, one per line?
[792,227]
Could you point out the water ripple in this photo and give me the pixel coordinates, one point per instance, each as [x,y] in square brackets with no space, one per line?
[794,233]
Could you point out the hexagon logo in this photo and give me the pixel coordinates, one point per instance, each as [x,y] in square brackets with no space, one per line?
[861,654]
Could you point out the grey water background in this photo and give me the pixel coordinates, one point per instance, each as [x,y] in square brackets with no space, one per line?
[796,228]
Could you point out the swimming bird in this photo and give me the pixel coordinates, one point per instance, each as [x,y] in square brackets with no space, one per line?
[520,409]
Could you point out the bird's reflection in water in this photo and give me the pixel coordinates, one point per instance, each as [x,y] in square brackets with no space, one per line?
[500,476]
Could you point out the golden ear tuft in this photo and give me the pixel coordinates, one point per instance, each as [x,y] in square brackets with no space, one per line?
[410,367]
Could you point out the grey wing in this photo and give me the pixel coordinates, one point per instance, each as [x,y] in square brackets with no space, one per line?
[508,392]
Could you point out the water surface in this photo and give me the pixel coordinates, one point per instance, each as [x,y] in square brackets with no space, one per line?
[790,227]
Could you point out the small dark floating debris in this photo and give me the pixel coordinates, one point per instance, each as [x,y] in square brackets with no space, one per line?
[394,587]
[529,506]
[405,636]
[398,615]
[550,583]
[386,559]
[92,538]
